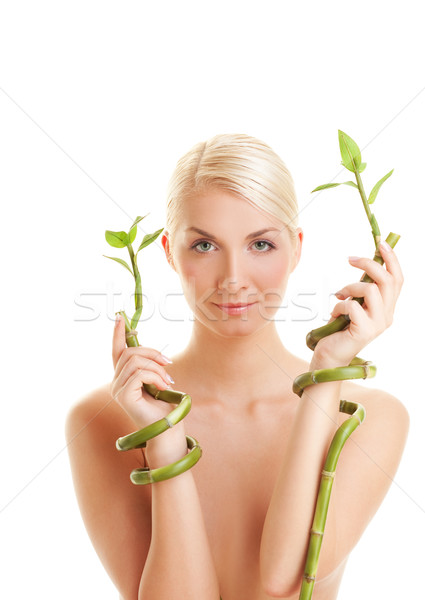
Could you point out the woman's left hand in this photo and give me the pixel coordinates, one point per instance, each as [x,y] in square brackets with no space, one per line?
[367,320]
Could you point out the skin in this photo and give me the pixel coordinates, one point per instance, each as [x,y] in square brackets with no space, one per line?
[236,524]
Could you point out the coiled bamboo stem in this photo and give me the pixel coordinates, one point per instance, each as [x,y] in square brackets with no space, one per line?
[138,439]
[357,369]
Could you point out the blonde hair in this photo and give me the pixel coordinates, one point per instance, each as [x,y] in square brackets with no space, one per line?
[240,164]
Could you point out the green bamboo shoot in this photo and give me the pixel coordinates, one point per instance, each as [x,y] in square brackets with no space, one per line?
[357,369]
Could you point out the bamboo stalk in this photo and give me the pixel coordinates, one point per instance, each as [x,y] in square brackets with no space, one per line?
[138,439]
[357,369]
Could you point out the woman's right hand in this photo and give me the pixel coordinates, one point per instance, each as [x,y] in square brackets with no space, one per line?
[133,367]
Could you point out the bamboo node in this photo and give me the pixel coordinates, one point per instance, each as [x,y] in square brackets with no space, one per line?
[330,474]
[313,377]
[130,333]
[157,394]
[358,418]
[315,532]
[366,371]
[169,423]
[309,577]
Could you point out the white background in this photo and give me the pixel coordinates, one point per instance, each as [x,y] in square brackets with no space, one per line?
[98,101]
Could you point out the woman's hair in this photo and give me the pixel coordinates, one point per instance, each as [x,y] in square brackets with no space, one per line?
[239,164]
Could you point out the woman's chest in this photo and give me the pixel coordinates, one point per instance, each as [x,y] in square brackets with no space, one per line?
[235,479]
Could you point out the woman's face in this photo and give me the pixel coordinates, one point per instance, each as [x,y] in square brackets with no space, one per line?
[222,257]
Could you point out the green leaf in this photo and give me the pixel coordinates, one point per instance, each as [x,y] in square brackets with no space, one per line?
[122,262]
[117,239]
[375,226]
[138,298]
[362,167]
[331,185]
[132,234]
[138,301]
[149,238]
[137,220]
[135,318]
[133,229]
[377,187]
[350,152]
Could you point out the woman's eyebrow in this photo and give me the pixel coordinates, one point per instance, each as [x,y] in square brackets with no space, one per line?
[248,237]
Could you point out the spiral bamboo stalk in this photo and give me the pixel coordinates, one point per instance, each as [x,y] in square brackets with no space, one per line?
[138,439]
[357,369]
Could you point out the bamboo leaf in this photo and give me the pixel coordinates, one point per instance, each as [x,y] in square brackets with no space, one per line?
[135,318]
[137,220]
[117,239]
[377,187]
[122,262]
[149,238]
[133,229]
[132,234]
[374,225]
[362,167]
[138,300]
[331,185]
[350,152]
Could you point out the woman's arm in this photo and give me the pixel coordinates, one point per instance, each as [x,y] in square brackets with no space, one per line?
[365,471]
[287,525]
[152,548]
[179,564]
[361,481]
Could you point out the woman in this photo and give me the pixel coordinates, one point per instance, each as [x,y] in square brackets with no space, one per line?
[237,524]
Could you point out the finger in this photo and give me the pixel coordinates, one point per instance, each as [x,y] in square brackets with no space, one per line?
[375,271]
[356,313]
[142,351]
[118,339]
[373,302]
[142,362]
[131,381]
[391,261]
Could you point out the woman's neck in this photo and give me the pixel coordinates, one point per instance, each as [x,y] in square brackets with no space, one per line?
[240,367]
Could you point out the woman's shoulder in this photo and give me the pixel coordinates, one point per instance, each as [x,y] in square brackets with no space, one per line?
[379,405]
[96,416]
[105,494]
[92,400]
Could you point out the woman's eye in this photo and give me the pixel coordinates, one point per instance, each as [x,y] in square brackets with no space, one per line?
[268,245]
[204,243]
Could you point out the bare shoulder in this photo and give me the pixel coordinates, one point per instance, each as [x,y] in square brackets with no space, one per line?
[383,410]
[92,410]
[105,494]
[369,460]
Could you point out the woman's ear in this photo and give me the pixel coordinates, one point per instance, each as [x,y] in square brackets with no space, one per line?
[166,245]
[298,242]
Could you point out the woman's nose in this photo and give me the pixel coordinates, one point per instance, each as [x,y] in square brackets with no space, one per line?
[232,275]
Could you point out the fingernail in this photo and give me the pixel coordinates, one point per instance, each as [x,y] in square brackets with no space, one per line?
[338,294]
[384,246]
[354,258]
[170,378]
[117,320]
[168,360]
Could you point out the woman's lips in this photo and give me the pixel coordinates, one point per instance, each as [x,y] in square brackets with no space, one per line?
[235,309]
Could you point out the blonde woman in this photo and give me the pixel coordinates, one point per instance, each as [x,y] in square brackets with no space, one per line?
[237,524]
